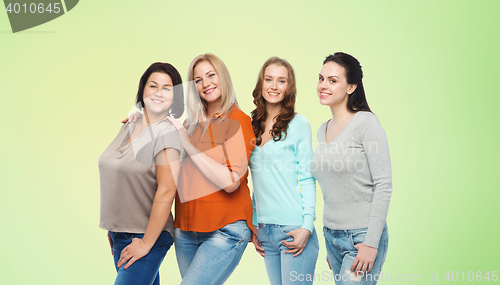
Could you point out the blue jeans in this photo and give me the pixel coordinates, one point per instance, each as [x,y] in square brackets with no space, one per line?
[145,270]
[281,267]
[341,253]
[210,258]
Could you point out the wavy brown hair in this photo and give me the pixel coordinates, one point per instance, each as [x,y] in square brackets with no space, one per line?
[259,114]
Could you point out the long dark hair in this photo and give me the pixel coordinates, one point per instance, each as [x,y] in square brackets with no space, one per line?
[177,107]
[259,114]
[357,99]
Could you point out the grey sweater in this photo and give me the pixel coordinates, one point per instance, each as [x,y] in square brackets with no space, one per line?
[354,173]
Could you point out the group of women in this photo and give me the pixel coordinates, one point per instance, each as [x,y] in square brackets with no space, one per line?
[203,163]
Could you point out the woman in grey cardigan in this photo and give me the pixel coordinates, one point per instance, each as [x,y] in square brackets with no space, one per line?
[353,168]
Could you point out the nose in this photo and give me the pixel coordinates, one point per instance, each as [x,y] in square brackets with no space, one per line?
[274,85]
[158,93]
[205,82]
[321,85]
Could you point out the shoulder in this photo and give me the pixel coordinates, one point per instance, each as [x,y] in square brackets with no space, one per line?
[165,127]
[165,124]
[366,116]
[369,125]
[240,116]
[321,130]
[125,126]
[364,119]
[300,121]
[299,128]
[237,114]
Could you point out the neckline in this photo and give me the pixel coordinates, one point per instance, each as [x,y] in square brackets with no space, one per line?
[141,134]
[345,127]
[260,147]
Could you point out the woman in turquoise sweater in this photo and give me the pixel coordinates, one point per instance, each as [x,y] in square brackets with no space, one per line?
[284,197]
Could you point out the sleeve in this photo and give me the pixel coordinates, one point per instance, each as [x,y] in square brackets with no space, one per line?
[255,222]
[376,148]
[304,154]
[238,145]
[167,137]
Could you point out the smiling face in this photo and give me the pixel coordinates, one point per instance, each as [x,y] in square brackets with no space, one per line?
[158,94]
[332,87]
[207,82]
[275,83]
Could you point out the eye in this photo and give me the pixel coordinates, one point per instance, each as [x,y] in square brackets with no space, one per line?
[332,81]
[152,86]
[167,89]
[267,80]
[197,81]
[282,81]
[321,79]
[212,74]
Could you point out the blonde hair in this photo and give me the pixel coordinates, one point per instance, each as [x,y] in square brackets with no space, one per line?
[197,106]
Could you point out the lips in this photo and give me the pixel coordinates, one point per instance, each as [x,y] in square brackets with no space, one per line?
[273,93]
[156,101]
[324,94]
[208,91]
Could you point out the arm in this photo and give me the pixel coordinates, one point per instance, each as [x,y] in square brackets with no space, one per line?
[110,242]
[254,239]
[166,176]
[307,182]
[225,177]
[379,163]
[304,153]
[254,213]
[376,149]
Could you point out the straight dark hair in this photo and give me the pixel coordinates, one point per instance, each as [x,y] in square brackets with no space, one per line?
[354,75]
[177,107]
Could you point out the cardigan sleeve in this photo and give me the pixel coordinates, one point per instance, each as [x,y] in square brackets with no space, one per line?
[376,149]
[304,154]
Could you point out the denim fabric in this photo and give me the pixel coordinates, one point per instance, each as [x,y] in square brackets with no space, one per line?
[341,253]
[281,267]
[210,258]
[145,270]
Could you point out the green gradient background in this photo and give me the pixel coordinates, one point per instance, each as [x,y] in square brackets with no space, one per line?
[429,66]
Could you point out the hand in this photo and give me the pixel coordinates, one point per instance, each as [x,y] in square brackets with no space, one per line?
[183,134]
[364,259]
[132,252]
[300,238]
[110,242]
[134,117]
[256,243]
[328,261]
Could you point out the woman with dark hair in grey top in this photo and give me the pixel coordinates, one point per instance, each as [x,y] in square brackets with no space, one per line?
[353,168]
[138,173]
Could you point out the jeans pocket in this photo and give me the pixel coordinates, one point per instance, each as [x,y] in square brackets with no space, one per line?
[358,237]
[164,240]
[285,229]
[237,231]
[313,238]
[385,242]
[132,236]
[386,245]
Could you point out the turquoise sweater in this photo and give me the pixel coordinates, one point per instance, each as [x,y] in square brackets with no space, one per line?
[284,191]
